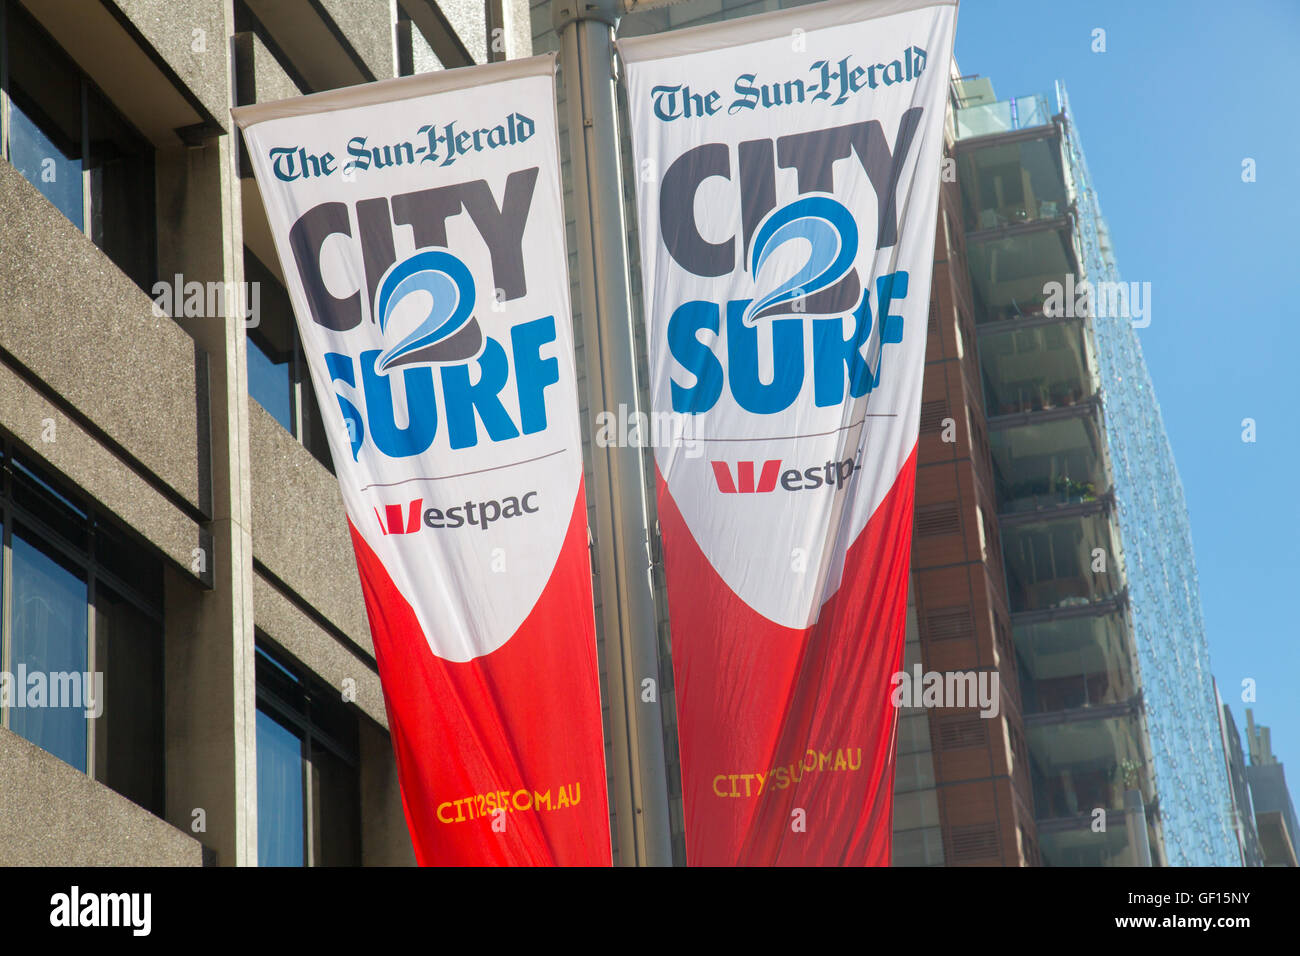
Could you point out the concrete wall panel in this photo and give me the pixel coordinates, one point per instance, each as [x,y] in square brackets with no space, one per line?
[300,532]
[71,317]
[52,814]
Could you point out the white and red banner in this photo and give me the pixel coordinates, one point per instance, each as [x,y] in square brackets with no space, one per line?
[787,188]
[420,227]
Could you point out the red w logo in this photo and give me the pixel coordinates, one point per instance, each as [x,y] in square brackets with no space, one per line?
[744,483]
[395,524]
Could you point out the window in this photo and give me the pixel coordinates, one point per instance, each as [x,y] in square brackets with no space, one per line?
[81,628]
[920,847]
[308,785]
[278,378]
[68,141]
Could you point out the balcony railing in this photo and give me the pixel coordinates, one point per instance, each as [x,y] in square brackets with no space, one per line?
[1046,494]
[1003,116]
[1074,842]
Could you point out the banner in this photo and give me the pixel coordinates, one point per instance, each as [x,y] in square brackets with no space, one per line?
[787,189]
[420,228]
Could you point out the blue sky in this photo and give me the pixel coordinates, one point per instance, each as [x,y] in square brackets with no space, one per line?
[1184,93]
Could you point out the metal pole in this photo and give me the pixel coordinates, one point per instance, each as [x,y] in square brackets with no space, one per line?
[585,29]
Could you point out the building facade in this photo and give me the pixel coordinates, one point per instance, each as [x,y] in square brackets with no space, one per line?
[1243,807]
[1125,757]
[1270,798]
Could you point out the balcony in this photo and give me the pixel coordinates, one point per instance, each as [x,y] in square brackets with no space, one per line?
[1034,367]
[1075,663]
[1050,561]
[1010,273]
[1081,846]
[1004,116]
[1078,765]
[1048,465]
[1009,183]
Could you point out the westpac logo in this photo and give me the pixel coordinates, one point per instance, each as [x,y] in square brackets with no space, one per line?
[833,475]
[408,519]
[716,346]
[453,373]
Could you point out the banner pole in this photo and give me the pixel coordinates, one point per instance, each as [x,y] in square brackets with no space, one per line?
[622,552]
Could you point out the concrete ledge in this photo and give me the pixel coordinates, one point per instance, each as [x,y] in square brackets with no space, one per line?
[368,27]
[95,470]
[259,77]
[53,815]
[164,68]
[318,650]
[71,317]
[171,32]
[469,19]
[300,532]
[319,48]
[442,34]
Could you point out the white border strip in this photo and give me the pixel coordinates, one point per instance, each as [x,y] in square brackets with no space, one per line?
[764,26]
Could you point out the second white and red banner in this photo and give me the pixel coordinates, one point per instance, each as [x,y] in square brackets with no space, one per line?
[787,190]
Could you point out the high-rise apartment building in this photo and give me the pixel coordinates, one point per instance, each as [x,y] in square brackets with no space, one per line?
[974,799]
[1119,716]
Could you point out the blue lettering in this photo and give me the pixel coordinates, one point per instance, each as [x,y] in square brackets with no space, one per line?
[283,165]
[463,399]
[747,94]
[695,357]
[742,357]
[832,353]
[360,155]
[340,369]
[532,372]
[421,408]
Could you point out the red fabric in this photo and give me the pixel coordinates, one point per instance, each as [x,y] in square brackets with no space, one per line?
[754,696]
[523,718]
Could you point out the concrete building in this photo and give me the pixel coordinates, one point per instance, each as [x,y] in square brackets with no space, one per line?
[1275,819]
[1243,807]
[161,526]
